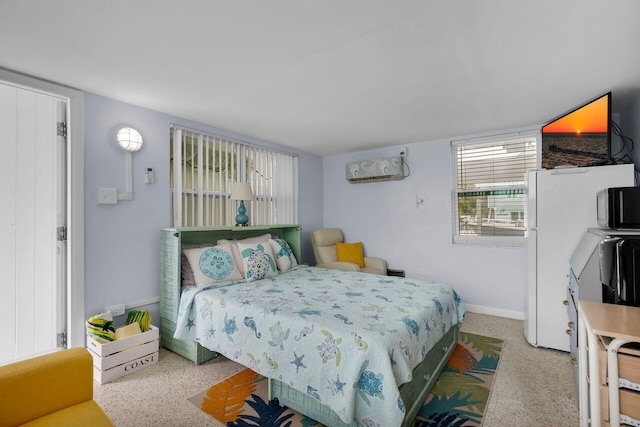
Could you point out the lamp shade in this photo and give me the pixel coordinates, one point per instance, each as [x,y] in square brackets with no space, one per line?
[241,191]
[129,139]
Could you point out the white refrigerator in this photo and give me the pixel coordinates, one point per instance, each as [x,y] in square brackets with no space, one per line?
[561,206]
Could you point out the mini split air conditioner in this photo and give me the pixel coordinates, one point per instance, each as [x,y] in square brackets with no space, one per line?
[375,170]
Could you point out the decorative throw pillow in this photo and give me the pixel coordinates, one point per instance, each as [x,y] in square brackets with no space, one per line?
[258,260]
[212,264]
[350,252]
[284,256]
[236,252]
[186,273]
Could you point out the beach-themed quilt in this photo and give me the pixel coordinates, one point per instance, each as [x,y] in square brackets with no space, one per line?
[347,339]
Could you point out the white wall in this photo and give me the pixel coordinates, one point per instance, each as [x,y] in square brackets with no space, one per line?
[122,262]
[630,125]
[385,217]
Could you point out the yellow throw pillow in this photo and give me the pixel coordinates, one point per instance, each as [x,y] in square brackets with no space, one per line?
[350,252]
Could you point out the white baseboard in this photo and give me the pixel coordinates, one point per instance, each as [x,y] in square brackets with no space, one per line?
[481,309]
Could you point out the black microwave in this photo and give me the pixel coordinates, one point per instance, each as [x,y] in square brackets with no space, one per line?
[619,207]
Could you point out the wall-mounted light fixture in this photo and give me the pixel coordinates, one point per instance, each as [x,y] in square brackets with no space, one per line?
[242,191]
[130,140]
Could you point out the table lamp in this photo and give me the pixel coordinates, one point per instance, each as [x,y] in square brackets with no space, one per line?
[242,191]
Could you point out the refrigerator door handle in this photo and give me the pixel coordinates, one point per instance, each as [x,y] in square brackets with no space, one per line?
[618,276]
[560,171]
[532,190]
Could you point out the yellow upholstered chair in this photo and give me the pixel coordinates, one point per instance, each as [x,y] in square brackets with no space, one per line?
[331,252]
[55,389]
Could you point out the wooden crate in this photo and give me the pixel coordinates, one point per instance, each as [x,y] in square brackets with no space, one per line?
[124,356]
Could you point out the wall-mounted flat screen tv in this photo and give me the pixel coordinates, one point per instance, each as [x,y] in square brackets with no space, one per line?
[579,138]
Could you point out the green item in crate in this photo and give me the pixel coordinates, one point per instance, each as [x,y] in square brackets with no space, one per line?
[100,327]
[141,316]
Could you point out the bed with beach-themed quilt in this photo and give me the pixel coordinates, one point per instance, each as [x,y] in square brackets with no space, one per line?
[344,348]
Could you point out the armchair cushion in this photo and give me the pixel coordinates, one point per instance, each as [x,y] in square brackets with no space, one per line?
[336,265]
[374,265]
[53,389]
[350,252]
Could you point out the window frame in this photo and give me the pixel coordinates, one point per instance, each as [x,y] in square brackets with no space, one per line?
[495,241]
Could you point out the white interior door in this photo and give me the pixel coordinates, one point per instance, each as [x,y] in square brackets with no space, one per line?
[32,259]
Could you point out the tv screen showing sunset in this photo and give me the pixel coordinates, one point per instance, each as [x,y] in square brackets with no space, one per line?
[580,138]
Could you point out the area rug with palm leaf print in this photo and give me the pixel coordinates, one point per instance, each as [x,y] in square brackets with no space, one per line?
[459,397]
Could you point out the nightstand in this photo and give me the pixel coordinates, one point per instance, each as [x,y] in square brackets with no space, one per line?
[397,273]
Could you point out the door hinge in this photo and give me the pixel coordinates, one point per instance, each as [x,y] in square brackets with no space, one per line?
[62,129]
[62,340]
[62,234]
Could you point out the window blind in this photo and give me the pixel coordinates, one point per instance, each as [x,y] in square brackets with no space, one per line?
[490,187]
[204,168]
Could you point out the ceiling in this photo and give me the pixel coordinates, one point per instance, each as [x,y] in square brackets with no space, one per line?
[334,76]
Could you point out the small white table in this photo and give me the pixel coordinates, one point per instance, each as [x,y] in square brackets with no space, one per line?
[622,324]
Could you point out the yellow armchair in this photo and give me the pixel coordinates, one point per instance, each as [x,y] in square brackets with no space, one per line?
[55,389]
[324,242]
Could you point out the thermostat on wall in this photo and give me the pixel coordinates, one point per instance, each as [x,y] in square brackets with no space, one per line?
[148,176]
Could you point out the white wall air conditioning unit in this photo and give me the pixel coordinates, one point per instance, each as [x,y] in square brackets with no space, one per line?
[387,169]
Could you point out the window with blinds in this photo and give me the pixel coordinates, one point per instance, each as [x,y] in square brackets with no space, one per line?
[490,188]
[204,168]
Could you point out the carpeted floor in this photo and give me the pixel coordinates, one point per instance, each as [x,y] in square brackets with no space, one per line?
[533,386]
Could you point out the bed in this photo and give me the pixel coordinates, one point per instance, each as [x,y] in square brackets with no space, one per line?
[343,348]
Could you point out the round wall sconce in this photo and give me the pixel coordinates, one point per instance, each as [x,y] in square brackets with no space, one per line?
[129,139]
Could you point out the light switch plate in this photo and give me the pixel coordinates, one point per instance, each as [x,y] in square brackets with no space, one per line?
[107,196]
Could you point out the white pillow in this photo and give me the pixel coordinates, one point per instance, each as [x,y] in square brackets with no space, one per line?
[212,264]
[236,252]
[258,260]
[284,256]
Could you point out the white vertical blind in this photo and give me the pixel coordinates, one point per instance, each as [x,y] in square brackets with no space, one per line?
[199,187]
[204,169]
[176,175]
[286,190]
[490,187]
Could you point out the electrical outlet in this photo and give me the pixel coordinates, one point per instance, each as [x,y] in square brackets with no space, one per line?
[403,151]
[422,271]
[107,196]
[116,310]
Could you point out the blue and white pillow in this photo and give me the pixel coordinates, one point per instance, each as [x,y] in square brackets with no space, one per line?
[212,264]
[283,253]
[258,261]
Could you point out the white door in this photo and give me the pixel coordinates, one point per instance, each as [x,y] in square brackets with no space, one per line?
[32,212]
